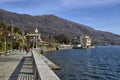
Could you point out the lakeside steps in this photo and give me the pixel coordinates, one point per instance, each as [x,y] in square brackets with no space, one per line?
[42,67]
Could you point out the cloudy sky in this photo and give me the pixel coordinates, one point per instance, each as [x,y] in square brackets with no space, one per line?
[100,14]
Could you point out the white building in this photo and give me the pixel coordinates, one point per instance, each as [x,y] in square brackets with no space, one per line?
[85,41]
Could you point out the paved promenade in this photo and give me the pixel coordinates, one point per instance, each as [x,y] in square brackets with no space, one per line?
[16,66]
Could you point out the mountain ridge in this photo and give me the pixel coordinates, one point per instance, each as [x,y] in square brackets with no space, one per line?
[53,25]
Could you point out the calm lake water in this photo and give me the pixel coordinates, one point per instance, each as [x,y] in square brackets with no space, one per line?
[101,63]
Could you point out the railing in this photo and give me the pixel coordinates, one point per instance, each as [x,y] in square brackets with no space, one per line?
[41,69]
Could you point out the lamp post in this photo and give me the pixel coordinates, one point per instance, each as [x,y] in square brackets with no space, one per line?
[9,36]
[5,42]
[12,36]
[14,44]
[36,31]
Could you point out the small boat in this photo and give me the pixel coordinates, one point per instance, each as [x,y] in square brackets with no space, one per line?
[77,46]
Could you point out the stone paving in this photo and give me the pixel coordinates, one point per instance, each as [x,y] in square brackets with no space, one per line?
[12,63]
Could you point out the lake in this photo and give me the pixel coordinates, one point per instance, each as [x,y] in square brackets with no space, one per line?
[100,63]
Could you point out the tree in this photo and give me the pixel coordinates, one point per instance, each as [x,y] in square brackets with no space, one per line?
[16,29]
[62,38]
[9,41]
[9,28]
[2,25]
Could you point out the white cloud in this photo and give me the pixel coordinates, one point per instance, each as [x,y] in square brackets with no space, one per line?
[88,3]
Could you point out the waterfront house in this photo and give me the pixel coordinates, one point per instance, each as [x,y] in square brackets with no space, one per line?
[85,41]
[82,41]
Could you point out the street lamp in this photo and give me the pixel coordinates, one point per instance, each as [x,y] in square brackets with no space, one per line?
[11,36]
[14,43]
[5,42]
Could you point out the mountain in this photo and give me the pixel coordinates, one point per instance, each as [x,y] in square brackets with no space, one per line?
[51,25]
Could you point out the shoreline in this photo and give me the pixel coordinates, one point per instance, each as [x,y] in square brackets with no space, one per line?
[43,51]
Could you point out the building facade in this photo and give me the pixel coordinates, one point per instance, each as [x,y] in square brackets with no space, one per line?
[84,40]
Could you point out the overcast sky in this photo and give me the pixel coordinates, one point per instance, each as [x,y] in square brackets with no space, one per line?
[100,14]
